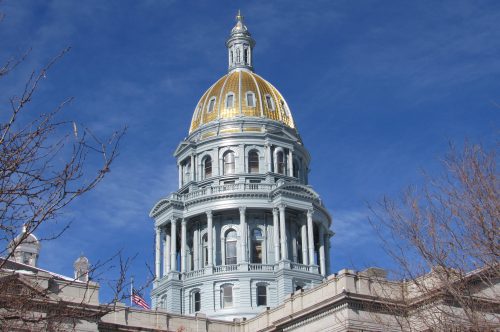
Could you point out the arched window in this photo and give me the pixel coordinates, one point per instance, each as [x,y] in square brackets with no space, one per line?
[280,161]
[229,162]
[229,100]
[204,241]
[269,102]
[261,295]
[231,243]
[245,55]
[207,167]
[257,240]
[196,301]
[211,105]
[253,162]
[227,296]
[250,99]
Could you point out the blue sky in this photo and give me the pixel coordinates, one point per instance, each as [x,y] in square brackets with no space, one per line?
[377,89]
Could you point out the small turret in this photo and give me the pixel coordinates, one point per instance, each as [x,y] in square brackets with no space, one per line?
[25,248]
[82,267]
[240,46]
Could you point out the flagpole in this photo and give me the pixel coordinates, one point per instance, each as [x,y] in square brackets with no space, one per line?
[131,290]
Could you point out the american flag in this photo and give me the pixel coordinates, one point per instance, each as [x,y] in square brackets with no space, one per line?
[137,299]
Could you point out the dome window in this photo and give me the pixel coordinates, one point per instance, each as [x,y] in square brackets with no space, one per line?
[253,162]
[229,163]
[250,99]
[257,241]
[269,102]
[211,105]
[207,167]
[230,100]
[231,242]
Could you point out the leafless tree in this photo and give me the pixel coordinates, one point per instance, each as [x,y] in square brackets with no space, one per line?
[444,240]
[46,162]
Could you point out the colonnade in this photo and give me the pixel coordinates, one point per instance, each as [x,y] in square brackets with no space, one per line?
[280,242]
[190,169]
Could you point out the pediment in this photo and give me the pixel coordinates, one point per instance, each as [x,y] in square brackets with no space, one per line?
[298,189]
[158,206]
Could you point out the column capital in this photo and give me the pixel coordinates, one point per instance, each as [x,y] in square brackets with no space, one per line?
[173,221]
[282,206]
[209,214]
[183,222]
[275,211]
[310,212]
[242,209]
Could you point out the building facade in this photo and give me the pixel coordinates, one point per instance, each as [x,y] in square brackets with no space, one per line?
[244,229]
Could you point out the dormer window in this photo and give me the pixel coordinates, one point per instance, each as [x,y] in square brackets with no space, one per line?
[250,99]
[269,102]
[211,105]
[230,100]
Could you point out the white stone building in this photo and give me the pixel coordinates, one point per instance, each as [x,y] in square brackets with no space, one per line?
[244,229]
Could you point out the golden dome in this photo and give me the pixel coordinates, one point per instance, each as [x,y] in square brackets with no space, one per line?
[241,93]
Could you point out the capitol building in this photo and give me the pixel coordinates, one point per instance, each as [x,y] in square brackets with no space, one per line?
[242,245]
[244,229]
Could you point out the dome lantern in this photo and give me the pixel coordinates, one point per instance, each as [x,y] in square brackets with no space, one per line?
[240,46]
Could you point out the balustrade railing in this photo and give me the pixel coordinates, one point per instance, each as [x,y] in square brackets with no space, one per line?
[194,274]
[225,268]
[246,267]
[300,267]
[261,267]
[224,188]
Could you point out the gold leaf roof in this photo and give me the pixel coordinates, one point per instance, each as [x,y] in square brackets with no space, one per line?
[267,100]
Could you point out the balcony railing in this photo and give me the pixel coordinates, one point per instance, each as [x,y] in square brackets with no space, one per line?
[301,267]
[261,267]
[224,188]
[243,267]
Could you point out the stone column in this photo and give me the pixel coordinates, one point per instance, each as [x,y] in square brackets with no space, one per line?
[303,236]
[310,235]
[179,168]
[290,163]
[276,234]
[166,253]
[196,249]
[284,244]
[193,168]
[327,252]
[157,253]
[183,245]
[293,230]
[210,238]
[243,226]
[269,158]
[321,251]
[173,245]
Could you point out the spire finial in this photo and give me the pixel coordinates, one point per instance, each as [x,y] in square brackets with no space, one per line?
[239,17]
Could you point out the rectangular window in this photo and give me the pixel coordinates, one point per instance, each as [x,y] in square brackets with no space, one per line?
[269,102]
[229,101]
[261,295]
[250,100]
[257,252]
[231,252]
[211,105]
[227,297]
[197,301]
